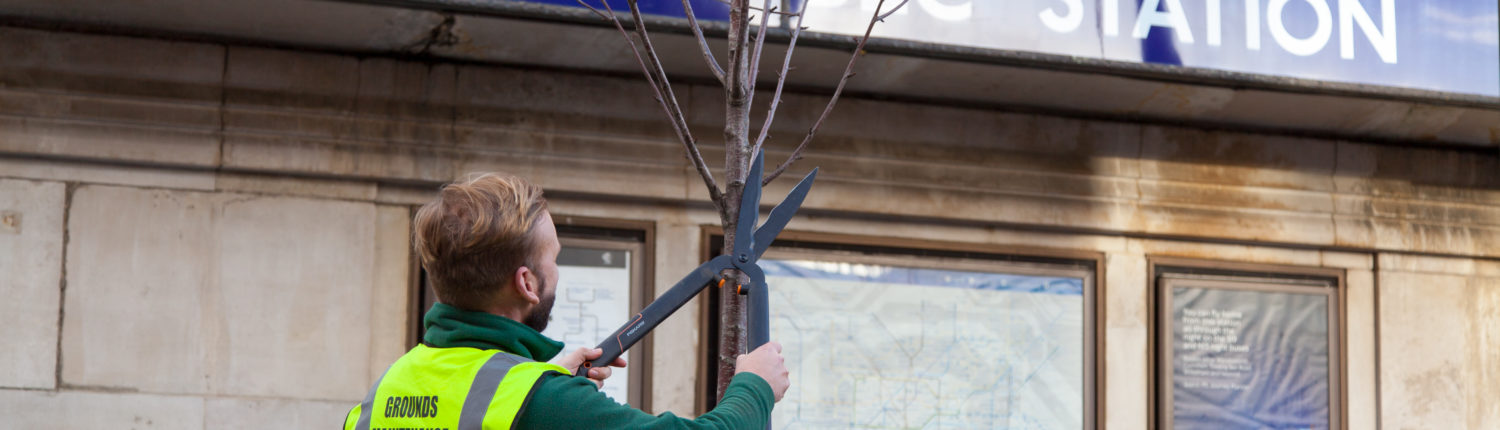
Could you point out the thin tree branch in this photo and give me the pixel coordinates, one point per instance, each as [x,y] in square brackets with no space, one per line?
[650,78]
[708,53]
[674,110]
[760,43]
[663,93]
[886,15]
[786,65]
[848,73]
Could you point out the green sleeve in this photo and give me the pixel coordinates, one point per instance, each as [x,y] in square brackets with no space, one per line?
[566,401]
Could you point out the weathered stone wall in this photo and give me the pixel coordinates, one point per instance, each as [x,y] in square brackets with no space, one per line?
[1440,342]
[31,233]
[216,236]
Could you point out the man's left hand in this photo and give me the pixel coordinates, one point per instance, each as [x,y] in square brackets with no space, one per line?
[576,358]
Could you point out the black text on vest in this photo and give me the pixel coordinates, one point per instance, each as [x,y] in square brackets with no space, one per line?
[411,406]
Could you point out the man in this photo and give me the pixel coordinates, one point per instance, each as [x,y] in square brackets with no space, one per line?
[490,250]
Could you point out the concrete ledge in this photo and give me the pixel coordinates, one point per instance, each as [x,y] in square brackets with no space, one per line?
[105,174]
[350,122]
[100,410]
[248,414]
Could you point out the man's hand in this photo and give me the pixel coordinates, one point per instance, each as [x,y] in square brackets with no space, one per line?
[576,358]
[767,363]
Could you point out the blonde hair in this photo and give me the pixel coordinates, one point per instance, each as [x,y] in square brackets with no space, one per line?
[475,235]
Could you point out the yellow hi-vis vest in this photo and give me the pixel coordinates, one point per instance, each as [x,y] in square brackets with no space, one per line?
[449,388]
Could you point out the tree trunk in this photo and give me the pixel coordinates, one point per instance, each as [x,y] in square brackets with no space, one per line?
[737,92]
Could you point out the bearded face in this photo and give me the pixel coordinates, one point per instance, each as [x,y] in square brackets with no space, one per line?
[542,313]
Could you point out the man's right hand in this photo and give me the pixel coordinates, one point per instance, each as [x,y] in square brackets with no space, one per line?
[767,363]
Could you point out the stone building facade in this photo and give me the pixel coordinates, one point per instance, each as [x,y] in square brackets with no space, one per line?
[204,233]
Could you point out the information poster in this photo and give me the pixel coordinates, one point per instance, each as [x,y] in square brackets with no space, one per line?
[872,346]
[1249,359]
[593,299]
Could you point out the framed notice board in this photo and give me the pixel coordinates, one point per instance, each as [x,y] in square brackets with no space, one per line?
[896,333]
[1247,351]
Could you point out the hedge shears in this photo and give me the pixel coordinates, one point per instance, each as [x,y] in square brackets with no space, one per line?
[749,244]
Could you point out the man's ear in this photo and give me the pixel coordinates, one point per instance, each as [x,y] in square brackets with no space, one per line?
[526,285]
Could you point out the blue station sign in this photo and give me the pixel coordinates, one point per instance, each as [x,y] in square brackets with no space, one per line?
[1438,45]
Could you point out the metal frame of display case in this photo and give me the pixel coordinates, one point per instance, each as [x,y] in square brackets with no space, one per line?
[1245,277]
[945,255]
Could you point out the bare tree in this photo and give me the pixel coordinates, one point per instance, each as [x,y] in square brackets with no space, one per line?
[747,38]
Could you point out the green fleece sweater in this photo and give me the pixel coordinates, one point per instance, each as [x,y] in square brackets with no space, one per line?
[562,401]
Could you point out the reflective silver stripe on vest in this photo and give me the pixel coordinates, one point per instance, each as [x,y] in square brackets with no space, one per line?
[364,408]
[482,391]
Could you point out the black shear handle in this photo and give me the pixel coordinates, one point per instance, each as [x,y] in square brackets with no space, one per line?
[758,329]
[616,344]
[656,312]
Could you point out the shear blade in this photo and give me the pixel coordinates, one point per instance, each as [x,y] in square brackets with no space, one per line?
[744,231]
[782,214]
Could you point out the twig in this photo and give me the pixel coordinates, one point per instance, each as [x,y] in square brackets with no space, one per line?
[886,15]
[663,94]
[848,73]
[760,43]
[786,65]
[650,78]
[708,53]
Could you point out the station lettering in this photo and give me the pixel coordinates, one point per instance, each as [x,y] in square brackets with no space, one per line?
[1261,17]
[1351,14]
